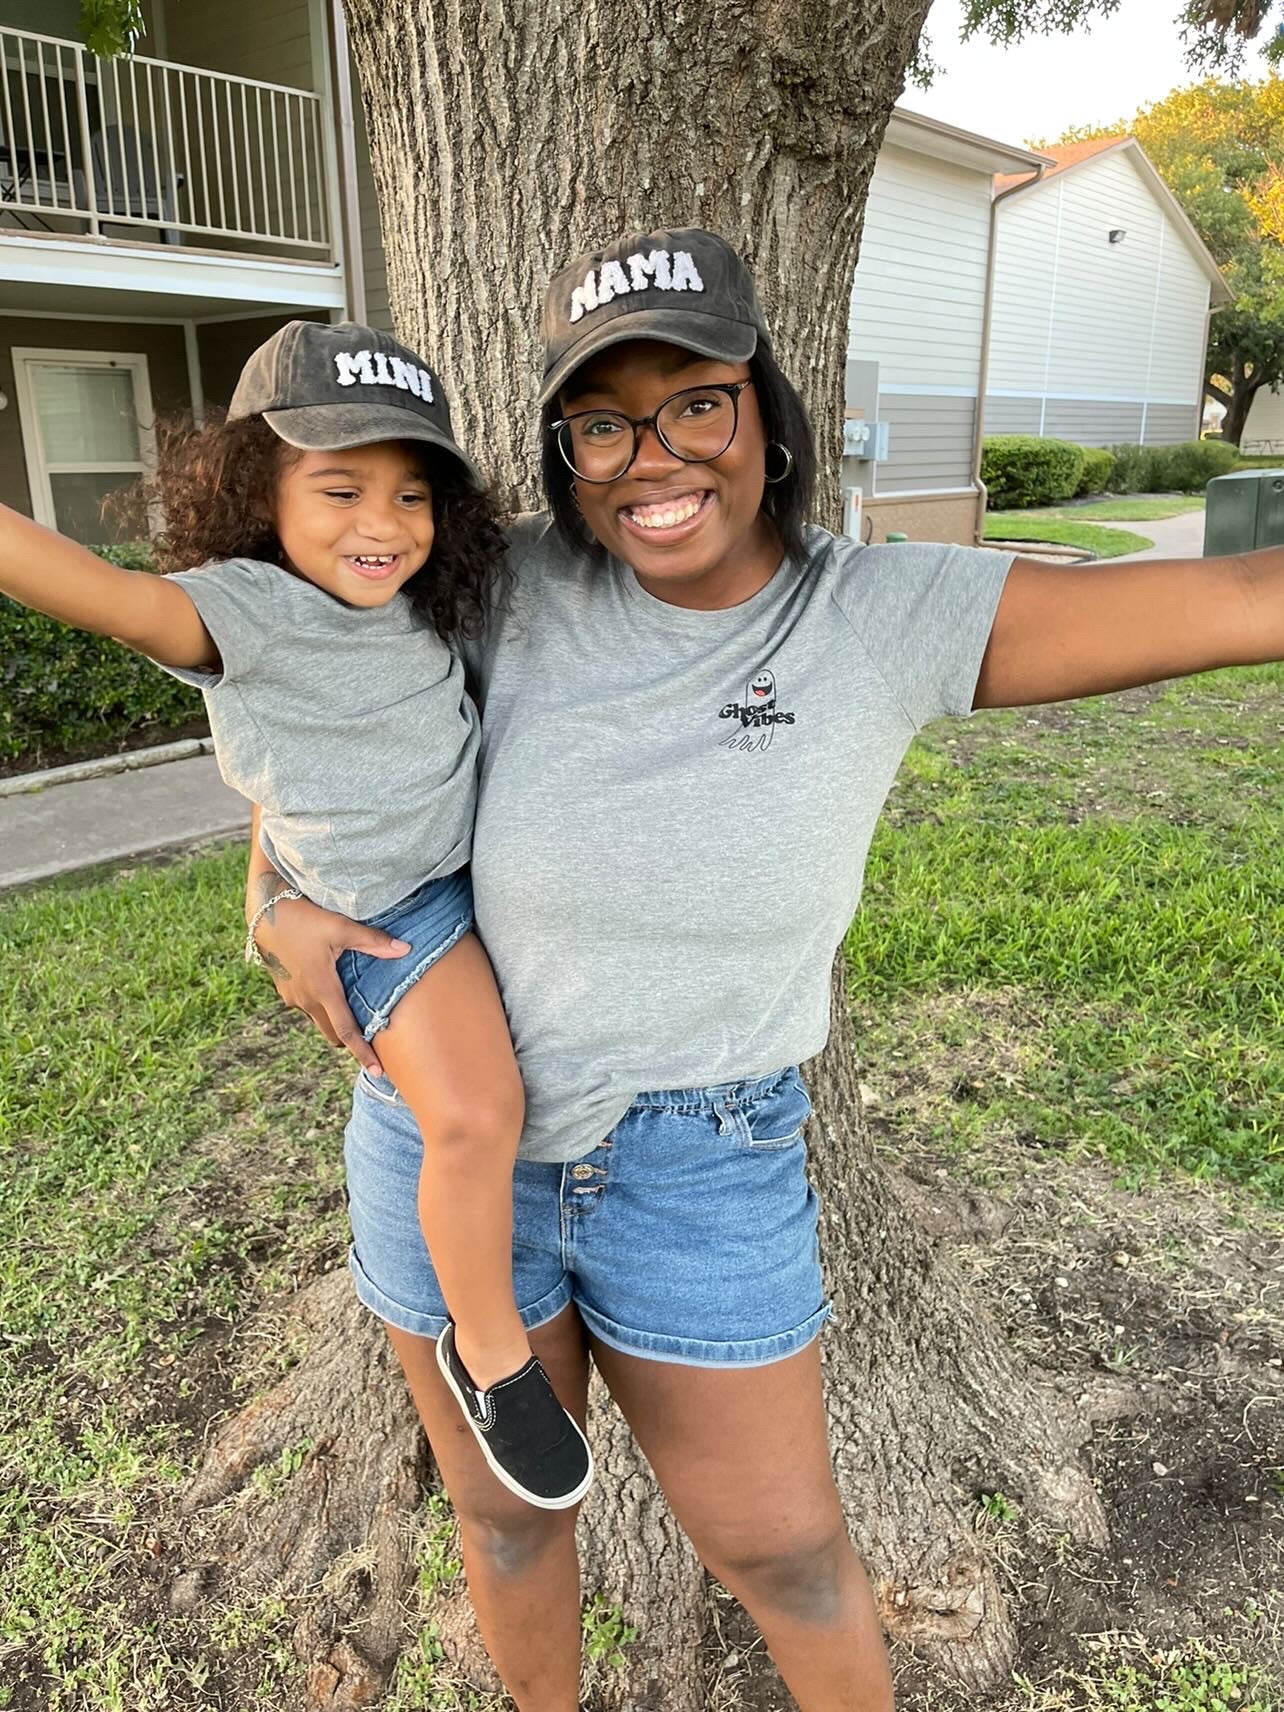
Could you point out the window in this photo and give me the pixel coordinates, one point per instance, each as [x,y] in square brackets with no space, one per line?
[86,429]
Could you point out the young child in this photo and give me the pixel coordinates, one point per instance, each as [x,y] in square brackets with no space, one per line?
[342,536]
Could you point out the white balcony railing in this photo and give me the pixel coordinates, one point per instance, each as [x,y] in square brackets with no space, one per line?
[190,155]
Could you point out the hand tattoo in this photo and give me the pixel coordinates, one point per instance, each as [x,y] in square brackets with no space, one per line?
[274,966]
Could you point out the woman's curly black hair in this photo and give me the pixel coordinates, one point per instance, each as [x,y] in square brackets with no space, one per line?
[785,422]
[216,487]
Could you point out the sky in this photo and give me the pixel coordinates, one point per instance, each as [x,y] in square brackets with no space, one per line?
[1038,88]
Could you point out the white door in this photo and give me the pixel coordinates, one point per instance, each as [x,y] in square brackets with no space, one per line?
[86,429]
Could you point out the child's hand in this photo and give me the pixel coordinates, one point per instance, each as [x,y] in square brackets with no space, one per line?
[300,944]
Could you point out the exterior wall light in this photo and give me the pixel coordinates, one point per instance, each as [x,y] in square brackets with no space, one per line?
[1117,235]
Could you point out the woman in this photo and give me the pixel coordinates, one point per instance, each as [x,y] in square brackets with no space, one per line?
[693,707]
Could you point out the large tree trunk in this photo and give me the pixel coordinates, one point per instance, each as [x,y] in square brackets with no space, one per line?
[1238,406]
[503,140]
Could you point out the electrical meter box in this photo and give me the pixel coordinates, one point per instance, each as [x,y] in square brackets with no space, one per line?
[1243,511]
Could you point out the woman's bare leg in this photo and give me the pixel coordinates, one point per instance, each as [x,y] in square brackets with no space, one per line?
[523,1574]
[743,1457]
[448,1051]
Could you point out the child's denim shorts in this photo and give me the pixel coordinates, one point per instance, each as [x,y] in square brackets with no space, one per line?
[430,920]
[688,1235]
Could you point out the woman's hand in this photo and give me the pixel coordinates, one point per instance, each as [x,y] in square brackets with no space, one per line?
[300,944]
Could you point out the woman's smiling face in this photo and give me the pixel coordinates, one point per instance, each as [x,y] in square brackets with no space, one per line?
[695,534]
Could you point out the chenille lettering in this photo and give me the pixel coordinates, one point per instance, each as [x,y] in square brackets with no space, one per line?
[658,271]
[377,368]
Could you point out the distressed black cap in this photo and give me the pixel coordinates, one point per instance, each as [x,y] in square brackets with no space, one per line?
[688,287]
[324,387]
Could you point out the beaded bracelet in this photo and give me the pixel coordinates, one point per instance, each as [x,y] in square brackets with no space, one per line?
[286,895]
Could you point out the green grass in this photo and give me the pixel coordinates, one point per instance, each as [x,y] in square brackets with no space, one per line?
[1148,510]
[144,1167]
[1112,879]
[1045,526]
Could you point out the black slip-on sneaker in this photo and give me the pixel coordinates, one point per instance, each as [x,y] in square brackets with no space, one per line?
[530,1442]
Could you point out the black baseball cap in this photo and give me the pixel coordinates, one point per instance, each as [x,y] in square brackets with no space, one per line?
[322,387]
[688,287]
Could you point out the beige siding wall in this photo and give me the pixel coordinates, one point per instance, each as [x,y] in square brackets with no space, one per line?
[267,39]
[1166,424]
[378,313]
[917,310]
[1264,429]
[930,442]
[919,294]
[1085,332]
[1012,415]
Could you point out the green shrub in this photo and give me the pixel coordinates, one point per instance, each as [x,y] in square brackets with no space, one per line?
[1098,467]
[1133,467]
[1191,465]
[1184,468]
[62,688]
[1023,469]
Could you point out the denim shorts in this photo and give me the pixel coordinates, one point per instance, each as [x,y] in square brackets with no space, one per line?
[430,920]
[688,1235]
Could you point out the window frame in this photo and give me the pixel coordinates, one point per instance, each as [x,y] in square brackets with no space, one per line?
[26,358]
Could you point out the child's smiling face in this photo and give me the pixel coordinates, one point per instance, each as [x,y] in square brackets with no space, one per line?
[358,522]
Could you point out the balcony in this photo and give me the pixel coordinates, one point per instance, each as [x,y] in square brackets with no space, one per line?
[145,150]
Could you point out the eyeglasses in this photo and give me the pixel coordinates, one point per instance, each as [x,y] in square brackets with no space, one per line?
[696,425]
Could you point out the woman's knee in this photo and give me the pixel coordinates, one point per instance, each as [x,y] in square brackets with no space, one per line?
[512,1541]
[805,1577]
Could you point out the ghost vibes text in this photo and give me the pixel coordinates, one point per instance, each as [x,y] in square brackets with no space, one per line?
[754,715]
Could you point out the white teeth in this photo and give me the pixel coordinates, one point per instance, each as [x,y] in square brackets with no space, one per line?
[653,517]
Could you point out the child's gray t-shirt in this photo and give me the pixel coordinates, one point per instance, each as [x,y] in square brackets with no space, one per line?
[675,806]
[349,725]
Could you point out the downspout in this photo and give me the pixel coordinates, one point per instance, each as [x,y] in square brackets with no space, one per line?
[978,421]
[350,212]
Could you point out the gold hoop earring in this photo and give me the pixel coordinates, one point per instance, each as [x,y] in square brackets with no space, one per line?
[778,446]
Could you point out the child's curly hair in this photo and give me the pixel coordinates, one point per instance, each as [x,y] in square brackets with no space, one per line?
[217,488]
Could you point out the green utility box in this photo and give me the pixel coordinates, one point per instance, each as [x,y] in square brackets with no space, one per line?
[1243,511]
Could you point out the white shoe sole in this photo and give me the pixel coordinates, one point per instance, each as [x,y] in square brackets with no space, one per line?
[505,1479]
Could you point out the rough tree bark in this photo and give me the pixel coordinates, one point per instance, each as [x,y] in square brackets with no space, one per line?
[504,139]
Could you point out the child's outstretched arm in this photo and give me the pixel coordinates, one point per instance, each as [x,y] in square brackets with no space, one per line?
[44,570]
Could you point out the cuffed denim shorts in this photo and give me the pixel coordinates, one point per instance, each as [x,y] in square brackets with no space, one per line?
[688,1235]
[430,920]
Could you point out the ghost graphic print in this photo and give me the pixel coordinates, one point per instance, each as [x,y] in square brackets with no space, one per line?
[760,699]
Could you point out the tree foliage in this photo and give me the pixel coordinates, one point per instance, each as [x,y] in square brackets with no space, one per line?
[1215,32]
[1219,147]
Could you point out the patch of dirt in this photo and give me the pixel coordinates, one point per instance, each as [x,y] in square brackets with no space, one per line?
[1160,1311]
[42,757]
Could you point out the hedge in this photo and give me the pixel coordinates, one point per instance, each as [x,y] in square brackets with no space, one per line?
[1185,468]
[1098,467]
[1023,469]
[63,689]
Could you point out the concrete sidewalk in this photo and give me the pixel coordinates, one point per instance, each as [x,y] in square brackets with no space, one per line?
[70,826]
[1180,537]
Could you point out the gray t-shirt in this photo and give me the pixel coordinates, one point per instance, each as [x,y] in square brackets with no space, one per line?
[349,725]
[675,807]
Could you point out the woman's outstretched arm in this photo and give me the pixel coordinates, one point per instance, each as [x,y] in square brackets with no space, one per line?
[300,944]
[1067,631]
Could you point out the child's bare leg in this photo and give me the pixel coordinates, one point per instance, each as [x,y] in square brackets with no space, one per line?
[448,1051]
